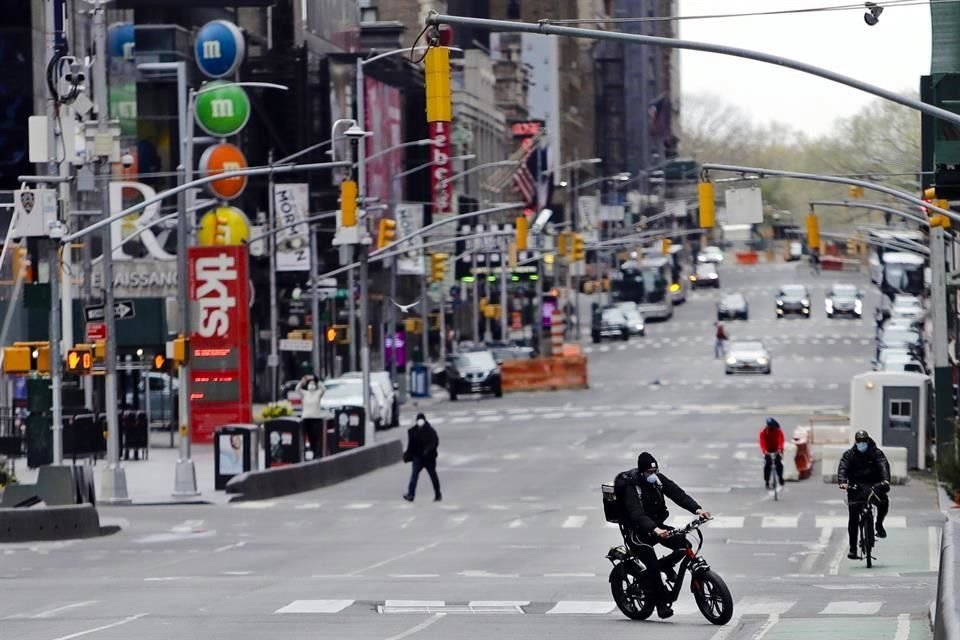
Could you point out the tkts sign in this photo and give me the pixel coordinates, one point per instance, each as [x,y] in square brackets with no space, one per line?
[220,391]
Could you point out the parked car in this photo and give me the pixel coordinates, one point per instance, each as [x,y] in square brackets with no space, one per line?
[908,307]
[473,372]
[710,254]
[634,318]
[705,275]
[608,323]
[794,251]
[388,390]
[900,361]
[349,393]
[896,337]
[793,298]
[163,397]
[843,300]
[503,352]
[733,306]
[745,356]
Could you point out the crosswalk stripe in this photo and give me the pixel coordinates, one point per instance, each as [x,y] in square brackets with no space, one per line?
[588,607]
[574,522]
[413,604]
[779,522]
[852,608]
[315,606]
[726,522]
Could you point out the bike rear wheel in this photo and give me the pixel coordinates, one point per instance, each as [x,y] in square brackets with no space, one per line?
[713,597]
[867,539]
[633,600]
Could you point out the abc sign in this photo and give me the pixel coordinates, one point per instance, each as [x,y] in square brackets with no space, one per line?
[219,158]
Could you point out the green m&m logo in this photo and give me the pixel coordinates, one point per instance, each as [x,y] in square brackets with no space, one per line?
[222,108]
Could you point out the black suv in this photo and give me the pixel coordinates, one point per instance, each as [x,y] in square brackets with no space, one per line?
[609,323]
[793,298]
[473,372]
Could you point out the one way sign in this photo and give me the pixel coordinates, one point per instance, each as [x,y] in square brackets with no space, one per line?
[122,310]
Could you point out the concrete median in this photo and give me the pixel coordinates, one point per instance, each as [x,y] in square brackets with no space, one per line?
[49,523]
[306,476]
[946,609]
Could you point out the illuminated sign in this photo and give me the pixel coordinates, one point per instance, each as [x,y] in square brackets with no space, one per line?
[80,361]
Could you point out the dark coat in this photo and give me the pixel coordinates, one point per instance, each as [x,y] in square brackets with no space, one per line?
[422,442]
[644,506]
[869,467]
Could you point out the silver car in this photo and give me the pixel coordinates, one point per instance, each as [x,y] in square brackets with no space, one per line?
[747,356]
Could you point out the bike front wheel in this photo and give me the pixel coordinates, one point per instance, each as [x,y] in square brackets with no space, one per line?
[633,600]
[867,540]
[713,597]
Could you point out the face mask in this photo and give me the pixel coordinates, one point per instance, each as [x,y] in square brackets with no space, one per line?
[312,386]
[862,446]
[420,423]
[652,478]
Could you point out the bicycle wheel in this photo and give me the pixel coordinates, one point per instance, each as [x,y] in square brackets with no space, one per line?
[867,539]
[713,597]
[626,585]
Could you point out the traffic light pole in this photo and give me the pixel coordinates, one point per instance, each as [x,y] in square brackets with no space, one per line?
[316,341]
[392,321]
[504,304]
[942,375]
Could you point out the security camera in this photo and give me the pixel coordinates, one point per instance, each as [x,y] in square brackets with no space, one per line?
[872,16]
[76,73]
[127,160]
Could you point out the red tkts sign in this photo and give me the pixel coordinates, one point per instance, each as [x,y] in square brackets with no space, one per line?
[220,383]
[440,169]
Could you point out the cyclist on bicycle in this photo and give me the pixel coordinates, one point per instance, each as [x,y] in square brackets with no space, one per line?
[771,444]
[643,490]
[864,465]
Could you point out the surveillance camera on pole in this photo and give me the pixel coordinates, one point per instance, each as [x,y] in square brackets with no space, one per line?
[541,221]
[872,16]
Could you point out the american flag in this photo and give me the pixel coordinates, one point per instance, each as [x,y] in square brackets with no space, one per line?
[527,178]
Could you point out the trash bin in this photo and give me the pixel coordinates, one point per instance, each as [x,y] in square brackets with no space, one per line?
[349,423]
[236,450]
[283,442]
[39,441]
[420,380]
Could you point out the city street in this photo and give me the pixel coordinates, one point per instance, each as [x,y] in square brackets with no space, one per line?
[520,536]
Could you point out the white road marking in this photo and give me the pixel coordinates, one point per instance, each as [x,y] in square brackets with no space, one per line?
[356,506]
[933,548]
[831,522]
[761,606]
[49,613]
[420,627]
[852,608]
[460,420]
[103,628]
[480,573]
[227,547]
[254,504]
[591,607]
[903,627]
[779,522]
[497,604]
[236,573]
[726,522]
[741,455]
[497,507]
[168,578]
[569,575]
[315,606]
[408,576]
[407,522]
[822,543]
[517,524]
[414,604]
[574,522]
[401,556]
[313,505]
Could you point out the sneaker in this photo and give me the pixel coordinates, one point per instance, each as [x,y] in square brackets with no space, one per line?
[408,498]
[664,610]
[437,498]
[881,532]
[769,486]
[853,554]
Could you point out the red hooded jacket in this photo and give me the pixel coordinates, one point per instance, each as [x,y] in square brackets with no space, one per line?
[771,440]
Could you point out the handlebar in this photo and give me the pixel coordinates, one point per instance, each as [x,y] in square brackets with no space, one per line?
[695,524]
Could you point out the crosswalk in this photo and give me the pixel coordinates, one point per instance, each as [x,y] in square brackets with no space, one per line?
[667,342]
[684,607]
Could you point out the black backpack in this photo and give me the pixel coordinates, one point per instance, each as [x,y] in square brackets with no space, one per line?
[613,495]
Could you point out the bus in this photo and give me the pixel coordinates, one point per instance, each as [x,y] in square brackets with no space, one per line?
[647,283]
[883,243]
[678,284]
[903,273]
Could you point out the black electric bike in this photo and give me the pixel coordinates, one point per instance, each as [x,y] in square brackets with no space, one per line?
[867,538]
[628,583]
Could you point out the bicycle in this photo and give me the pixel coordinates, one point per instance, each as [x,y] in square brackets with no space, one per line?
[774,476]
[866,517]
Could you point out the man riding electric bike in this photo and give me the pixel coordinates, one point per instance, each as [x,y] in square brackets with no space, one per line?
[643,490]
[864,465]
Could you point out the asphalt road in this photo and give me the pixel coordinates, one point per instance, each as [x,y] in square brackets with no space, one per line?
[516,549]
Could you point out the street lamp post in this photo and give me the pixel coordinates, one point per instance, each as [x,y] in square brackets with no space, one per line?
[572,181]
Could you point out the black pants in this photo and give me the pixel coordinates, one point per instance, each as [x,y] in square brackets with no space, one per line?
[854,503]
[647,554]
[418,465]
[769,463]
[313,432]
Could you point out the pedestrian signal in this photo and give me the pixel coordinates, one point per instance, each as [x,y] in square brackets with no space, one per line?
[80,361]
[159,362]
[331,334]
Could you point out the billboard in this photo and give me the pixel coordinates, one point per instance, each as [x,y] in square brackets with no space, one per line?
[220,381]
[384,118]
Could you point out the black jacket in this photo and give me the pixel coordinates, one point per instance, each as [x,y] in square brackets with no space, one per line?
[644,507]
[869,467]
[422,442]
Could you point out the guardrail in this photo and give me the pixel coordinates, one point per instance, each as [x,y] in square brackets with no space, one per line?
[946,621]
[49,523]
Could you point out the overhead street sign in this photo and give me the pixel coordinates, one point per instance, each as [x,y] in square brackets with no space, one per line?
[122,310]
[96,331]
[289,344]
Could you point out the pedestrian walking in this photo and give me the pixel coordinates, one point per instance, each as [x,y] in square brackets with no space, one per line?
[815,262]
[422,443]
[311,391]
[720,345]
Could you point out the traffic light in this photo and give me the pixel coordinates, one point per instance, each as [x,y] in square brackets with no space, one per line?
[41,357]
[438,266]
[159,362]
[337,333]
[16,359]
[331,334]
[937,219]
[437,83]
[348,203]
[564,244]
[178,349]
[387,232]
[707,206]
[665,246]
[578,251]
[523,226]
[80,361]
[813,231]
[855,192]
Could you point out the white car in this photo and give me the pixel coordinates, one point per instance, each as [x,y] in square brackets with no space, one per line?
[907,307]
[348,393]
[744,356]
[381,379]
[710,254]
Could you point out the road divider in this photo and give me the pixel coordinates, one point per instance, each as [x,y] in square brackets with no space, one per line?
[545,374]
[49,523]
[306,476]
[747,257]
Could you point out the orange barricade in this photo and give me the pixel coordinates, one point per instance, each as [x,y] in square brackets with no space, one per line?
[545,374]
[803,459]
[746,257]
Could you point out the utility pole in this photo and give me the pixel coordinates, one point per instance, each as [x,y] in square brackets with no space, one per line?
[273,360]
[114,487]
[315,302]
[942,379]
[425,318]
[504,302]
[392,321]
